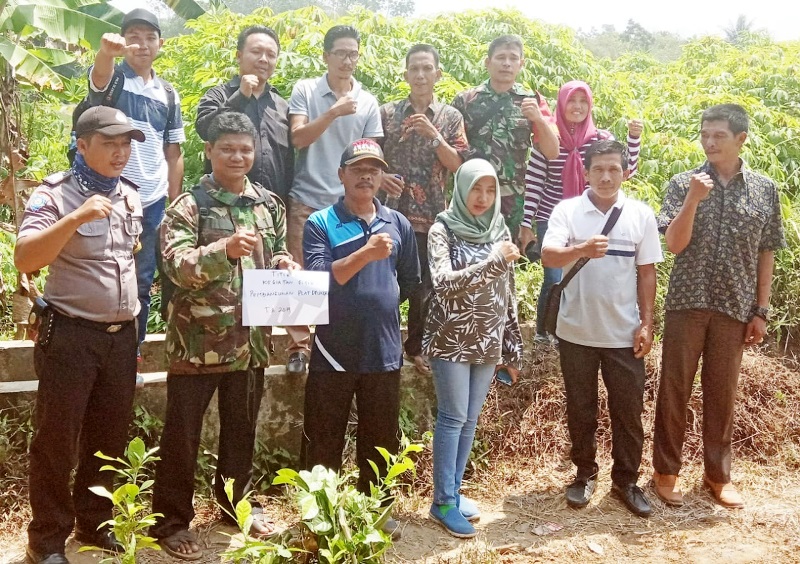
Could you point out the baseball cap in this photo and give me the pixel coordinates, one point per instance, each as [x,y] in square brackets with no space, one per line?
[363,149]
[108,121]
[140,15]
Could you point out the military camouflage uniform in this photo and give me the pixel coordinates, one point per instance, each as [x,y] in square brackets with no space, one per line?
[204,319]
[208,349]
[498,132]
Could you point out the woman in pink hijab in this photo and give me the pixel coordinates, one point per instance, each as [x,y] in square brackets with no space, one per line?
[547,182]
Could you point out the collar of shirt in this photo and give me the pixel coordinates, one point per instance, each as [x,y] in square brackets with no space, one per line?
[743,174]
[517,89]
[229,198]
[325,88]
[588,207]
[344,215]
[130,73]
[406,108]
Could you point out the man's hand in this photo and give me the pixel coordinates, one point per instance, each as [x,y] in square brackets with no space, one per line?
[530,109]
[595,247]
[344,106]
[378,247]
[392,185]
[114,45]
[421,125]
[241,244]
[96,207]
[643,340]
[288,264]
[635,128]
[755,331]
[700,187]
[508,249]
[526,236]
[248,84]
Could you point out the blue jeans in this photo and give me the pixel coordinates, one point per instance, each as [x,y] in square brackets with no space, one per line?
[551,276]
[461,389]
[146,260]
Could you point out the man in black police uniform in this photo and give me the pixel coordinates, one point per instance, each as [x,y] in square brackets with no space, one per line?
[85,225]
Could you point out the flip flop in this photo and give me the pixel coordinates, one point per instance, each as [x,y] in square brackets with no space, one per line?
[420,363]
[172,543]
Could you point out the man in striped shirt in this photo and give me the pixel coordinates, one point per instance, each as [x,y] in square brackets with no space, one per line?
[152,105]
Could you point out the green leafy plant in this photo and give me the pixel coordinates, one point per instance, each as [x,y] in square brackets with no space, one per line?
[131,518]
[343,524]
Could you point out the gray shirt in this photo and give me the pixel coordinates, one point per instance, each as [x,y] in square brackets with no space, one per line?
[94,275]
[316,181]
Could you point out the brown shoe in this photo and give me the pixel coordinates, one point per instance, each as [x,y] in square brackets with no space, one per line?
[667,489]
[725,494]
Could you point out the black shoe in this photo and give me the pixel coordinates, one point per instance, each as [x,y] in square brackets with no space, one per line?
[103,539]
[634,499]
[52,558]
[297,364]
[580,492]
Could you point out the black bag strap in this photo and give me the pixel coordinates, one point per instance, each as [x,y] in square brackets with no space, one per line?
[610,222]
[451,241]
[171,107]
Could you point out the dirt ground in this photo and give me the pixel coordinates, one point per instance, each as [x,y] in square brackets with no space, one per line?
[525,519]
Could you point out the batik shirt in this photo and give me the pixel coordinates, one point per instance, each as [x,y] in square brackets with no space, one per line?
[204,320]
[412,156]
[718,269]
[473,311]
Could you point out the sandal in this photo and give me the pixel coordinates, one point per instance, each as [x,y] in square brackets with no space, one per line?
[420,363]
[263,526]
[182,539]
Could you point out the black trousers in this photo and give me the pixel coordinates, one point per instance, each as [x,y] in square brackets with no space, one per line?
[419,302]
[87,379]
[188,395]
[623,376]
[327,407]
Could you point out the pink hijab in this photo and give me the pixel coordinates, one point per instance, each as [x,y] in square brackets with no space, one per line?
[572,179]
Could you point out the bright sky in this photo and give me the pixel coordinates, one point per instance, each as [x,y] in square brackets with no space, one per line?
[687,18]
[684,17]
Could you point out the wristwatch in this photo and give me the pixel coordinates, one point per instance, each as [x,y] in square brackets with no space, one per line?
[436,141]
[762,312]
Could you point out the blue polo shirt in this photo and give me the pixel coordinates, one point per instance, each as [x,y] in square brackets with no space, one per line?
[363,335]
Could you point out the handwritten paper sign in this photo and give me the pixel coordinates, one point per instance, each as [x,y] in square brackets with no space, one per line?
[280,297]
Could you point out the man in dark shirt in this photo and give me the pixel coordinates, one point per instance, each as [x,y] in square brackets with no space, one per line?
[371,254]
[250,92]
[723,222]
[424,143]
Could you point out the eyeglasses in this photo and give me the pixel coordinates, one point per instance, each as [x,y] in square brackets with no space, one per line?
[342,55]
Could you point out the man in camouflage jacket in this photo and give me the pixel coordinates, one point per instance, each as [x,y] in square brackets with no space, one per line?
[210,235]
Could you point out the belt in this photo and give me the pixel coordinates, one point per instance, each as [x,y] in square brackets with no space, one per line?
[96,325]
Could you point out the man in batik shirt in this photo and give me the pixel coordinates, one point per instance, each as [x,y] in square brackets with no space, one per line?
[424,142]
[502,118]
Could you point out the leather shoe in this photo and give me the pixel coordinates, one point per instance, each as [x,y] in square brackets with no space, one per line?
[297,364]
[634,499]
[580,492]
[102,539]
[667,489]
[38,558]
[725,494]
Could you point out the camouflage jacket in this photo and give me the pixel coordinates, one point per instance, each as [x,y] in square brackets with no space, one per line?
[498,132]
[204,319]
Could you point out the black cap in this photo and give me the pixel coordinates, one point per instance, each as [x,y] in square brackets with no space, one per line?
[363,149]
[140,15]
[108,121]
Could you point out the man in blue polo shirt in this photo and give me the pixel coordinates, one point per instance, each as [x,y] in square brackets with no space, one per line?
[371,253]
[152,105]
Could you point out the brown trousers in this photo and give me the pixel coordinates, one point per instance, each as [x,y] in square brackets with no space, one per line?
[719,339]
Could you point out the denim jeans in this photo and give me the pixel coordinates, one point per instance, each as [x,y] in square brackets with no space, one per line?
[146,260]
[461,389]
[551,276]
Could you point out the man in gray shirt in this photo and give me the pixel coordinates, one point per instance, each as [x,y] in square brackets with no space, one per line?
[85,225]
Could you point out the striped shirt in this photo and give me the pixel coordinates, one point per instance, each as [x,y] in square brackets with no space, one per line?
[543,188]
[147,106]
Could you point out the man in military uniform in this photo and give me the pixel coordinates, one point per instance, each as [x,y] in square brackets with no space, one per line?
[84,224]
[502,117]
[210,235]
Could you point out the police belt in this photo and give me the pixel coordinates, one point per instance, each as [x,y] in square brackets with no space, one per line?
[96,325]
